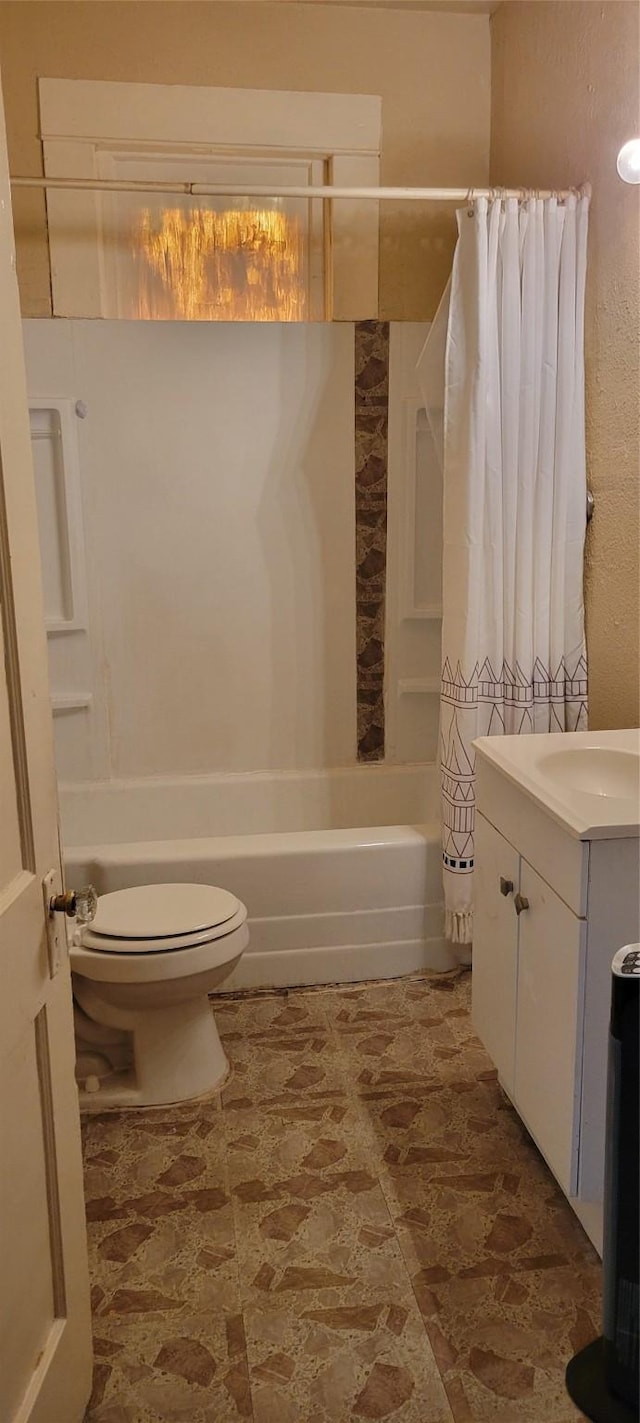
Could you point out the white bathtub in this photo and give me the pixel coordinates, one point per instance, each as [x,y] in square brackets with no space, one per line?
[340,870]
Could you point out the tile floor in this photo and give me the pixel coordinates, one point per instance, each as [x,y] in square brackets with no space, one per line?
[359,1228]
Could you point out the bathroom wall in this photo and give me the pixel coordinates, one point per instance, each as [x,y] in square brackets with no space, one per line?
[565,97]
[431,69]
[217,473]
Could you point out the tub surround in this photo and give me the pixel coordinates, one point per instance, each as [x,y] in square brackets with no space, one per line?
[294,675]
[231,447]
[252,803]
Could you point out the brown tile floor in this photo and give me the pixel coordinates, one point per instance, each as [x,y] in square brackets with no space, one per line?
[360,1228]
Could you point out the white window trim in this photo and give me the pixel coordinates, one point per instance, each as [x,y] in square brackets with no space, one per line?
[180,113]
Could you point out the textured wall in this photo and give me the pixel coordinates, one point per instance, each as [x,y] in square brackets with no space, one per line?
[431,70]
[565,94]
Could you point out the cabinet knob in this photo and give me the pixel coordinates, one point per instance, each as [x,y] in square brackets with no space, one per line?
[520,903]
[506,885]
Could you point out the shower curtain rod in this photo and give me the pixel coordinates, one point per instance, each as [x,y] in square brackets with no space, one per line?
[225,190]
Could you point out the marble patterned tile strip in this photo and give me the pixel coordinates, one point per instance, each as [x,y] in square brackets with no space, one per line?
[371,433]
[359,1228]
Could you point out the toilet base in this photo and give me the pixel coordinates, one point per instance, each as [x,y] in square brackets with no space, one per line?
[177,1056]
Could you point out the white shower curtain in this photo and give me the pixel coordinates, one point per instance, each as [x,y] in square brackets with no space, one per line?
[513,655]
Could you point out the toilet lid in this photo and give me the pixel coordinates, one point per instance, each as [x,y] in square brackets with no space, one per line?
[163,911]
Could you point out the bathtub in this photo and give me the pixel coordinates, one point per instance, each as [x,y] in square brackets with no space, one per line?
[340,869]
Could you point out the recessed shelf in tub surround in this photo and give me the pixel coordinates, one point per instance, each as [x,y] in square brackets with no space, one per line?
[56,463]
[71,702]
[413,651]
[59,502]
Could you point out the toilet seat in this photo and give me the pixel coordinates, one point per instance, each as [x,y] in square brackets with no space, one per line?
[110,960]
[161,918]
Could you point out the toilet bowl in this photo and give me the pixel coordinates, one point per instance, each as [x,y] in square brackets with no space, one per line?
[141,973]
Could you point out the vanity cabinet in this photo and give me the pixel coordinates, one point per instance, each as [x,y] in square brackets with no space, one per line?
[551,909]
[528,990]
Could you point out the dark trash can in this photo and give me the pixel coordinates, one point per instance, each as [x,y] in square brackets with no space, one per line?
[603,1380]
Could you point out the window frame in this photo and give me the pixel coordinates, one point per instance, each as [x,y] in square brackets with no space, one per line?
[87,124]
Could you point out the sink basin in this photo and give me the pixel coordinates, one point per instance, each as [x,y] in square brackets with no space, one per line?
[595,770]
[587,781]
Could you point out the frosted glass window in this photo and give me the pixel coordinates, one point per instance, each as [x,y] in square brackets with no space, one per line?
[184,256]
[189,258]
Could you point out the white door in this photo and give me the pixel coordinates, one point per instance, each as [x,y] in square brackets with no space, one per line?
[495,948]
[45,1333]
[551,964]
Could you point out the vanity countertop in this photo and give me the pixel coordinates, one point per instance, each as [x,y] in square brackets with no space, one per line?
[587,781]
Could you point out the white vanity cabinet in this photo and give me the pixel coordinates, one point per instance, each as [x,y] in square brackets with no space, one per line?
[528,996]
[550,910]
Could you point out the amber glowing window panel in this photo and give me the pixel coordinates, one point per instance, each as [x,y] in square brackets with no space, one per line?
[240,264]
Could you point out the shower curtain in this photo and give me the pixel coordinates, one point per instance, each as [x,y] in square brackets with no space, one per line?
[513,653]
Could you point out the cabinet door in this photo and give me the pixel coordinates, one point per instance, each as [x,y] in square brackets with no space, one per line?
[495,936]
[549,1020]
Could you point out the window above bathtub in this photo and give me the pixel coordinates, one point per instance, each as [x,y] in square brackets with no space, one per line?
[148,256]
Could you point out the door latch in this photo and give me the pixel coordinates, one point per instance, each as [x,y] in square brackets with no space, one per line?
[80,905]
[56,932]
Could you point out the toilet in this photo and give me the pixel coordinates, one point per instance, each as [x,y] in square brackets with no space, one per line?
[141,973]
